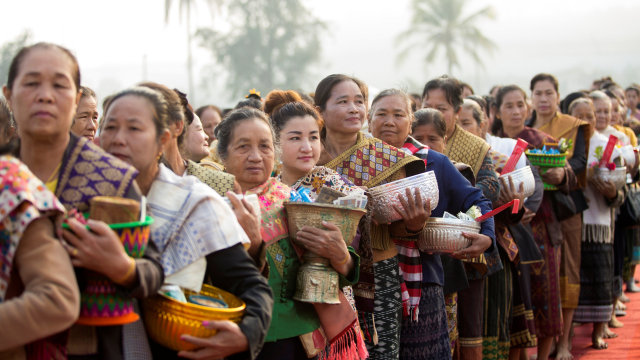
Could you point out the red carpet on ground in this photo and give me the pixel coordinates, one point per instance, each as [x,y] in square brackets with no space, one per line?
[625,346]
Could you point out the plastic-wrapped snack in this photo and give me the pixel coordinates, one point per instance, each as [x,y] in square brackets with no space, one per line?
[173,291]
[447,215]
[464,216]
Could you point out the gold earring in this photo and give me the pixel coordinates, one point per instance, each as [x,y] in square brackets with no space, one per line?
[159,156]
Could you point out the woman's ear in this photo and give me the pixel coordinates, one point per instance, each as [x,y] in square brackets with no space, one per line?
[165,137]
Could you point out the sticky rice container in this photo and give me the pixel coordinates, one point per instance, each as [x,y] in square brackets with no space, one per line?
[384,197]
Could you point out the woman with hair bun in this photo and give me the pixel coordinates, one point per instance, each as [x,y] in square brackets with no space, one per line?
[297,127]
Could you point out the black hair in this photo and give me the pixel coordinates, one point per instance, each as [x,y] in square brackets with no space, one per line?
[451,87]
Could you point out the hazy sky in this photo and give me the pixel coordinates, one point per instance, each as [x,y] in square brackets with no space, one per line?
[577,40]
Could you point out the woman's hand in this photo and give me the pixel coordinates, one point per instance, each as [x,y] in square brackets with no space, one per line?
[99,250]
[606,188]
[508,192]
[554,176]
[479,243]
[327,243]
[227,341]
[414,211]
[248,219]
[528,216]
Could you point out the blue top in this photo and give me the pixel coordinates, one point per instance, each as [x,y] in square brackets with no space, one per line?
[456,194]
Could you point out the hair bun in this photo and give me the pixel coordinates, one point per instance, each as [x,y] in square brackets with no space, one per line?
[278,98]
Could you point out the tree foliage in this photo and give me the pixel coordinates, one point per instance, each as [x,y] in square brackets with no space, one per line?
[9,50]
[442,26]
[270,44]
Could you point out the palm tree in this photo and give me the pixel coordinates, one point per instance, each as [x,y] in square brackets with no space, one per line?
[442,25]
[186,6]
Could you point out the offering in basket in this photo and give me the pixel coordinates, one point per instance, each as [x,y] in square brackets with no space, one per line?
[384,197]
[445,234]
[550,156]
[166,318]
[317,281]
[606,170]
[103,303]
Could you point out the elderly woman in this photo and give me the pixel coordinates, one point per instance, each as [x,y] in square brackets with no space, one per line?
[85,123]
[390,120]
[196,232]
[39,296]
[172,157]
[246,147]
[43,92]
[342,101]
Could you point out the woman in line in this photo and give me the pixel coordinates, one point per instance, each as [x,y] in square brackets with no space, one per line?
[548,118]
[39,295]
[596,268]
[445,94]
[196,232]
[504,291]
[193,142]
[219,181]
[43,90]
[341,100]
[297,126]
[246,147]
[425,335]
[85,122]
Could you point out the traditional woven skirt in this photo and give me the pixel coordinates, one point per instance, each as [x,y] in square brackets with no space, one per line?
[632,250]
[387,312]
[570,261]
[523,326]
[470,315]
[545,286]
[496,329]
[427,338]
[451,307]
[596,274]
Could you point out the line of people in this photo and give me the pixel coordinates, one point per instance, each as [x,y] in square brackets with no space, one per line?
[560,258]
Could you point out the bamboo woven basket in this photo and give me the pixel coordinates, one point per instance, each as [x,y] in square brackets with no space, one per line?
[300,214]
[166,319]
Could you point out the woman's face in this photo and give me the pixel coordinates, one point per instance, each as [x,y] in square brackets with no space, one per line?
[300,145]
[513,110]
[615,113]
[196,142]
[584,112]
[345,110]
[428,135]
[391,120]
[86,119]
[437,99]
[129,133]
[44,96]
[250,153]
[545,98]
[210,119]
[632,99]
[603,113]
[468,122]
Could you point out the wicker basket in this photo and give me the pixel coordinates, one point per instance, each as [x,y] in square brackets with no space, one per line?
[383,197]
[301,214]
[522,175]
[102,303]
[547,160]
[617,176]
[445,235]
[166,319]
